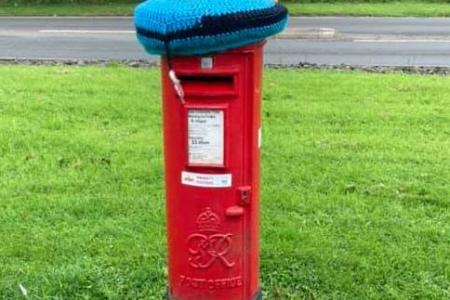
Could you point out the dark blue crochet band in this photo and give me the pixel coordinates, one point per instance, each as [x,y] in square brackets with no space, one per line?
[227,23]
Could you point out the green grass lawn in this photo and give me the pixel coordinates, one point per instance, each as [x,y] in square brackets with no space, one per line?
[396,9]
[125,9]
[391,9]
[355,200]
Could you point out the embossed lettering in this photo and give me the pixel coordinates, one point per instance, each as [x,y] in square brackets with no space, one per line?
[205,250]
[212,284]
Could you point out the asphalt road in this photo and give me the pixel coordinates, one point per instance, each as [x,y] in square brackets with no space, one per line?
[358,41]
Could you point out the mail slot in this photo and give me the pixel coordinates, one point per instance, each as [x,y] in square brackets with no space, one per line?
[208,83]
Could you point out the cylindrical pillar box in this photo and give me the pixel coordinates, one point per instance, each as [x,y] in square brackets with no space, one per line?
[212,141]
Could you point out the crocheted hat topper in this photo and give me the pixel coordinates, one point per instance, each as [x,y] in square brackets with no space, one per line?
[197,27]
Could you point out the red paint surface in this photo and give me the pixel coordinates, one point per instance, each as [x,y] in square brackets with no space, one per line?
[213,247]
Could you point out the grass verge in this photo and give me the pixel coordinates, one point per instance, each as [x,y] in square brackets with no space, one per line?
[390,9]
[394,9]
[125,9]
[356,171]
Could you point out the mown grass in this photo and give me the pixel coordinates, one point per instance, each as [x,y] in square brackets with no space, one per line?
[124,9]
[355,199]
[390,9]
[393,9]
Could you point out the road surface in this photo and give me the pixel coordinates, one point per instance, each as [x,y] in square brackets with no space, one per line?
[358,41]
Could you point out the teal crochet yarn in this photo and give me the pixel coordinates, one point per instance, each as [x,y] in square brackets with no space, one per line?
[188,27]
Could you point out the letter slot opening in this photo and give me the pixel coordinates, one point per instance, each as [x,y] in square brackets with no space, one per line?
[208,84]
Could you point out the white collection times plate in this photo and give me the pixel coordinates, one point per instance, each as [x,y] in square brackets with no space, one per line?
[206,137]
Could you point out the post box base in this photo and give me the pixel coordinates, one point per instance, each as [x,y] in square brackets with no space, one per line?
[258,296]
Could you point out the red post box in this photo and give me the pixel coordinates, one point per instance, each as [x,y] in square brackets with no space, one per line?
[212,143]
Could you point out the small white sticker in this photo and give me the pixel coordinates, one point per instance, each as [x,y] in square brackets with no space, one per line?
[206,180]
[205,137]
[207,62]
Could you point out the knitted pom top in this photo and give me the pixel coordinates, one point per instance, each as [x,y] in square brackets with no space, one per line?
[196,27]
